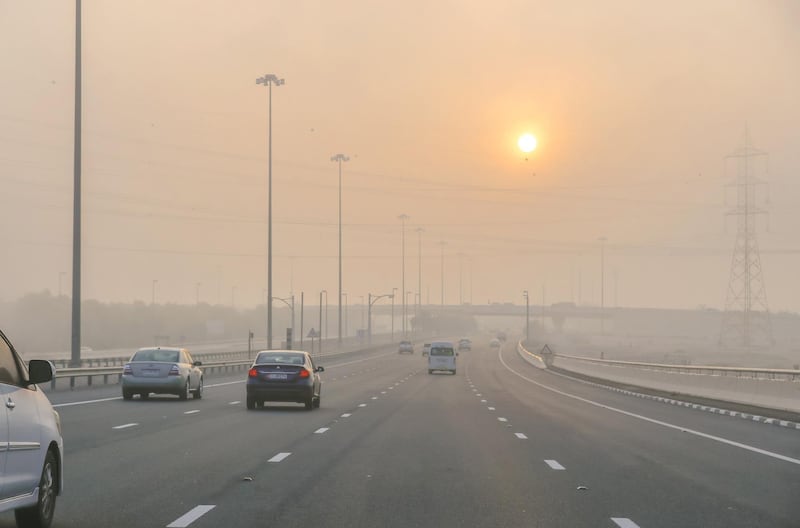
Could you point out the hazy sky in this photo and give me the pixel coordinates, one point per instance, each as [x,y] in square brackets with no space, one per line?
[635,105]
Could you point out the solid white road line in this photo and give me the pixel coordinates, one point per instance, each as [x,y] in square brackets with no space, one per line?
[279,457]
[193,411]
[87,401]
[653,420]
[191,516]
[554,465]
[624,522]
[521,436]
[125,426]
[321,430]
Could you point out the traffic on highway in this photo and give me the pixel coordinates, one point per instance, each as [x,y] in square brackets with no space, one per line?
[443,264]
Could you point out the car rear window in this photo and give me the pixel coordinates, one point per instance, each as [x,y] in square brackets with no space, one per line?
[280,357]
[440,351]
[167,356]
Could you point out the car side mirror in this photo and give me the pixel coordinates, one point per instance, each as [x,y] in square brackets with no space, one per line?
[197,363]
[320,369]
[40,371]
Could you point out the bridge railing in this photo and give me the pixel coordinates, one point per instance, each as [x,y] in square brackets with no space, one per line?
[762,387]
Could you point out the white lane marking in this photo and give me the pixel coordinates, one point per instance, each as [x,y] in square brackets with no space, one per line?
[390,388]
[360,360]
[521,436]
[191,516]
[383,392]
[279,457]
[322,430]
[501,419]
[362,404]
[490,408]
[192,411]
[483,401]
[374,397]
[223,384]
[479,395]
[235,402]
[555,465]
[624,522]
[125,426]
[653,420]
[346,415]
[70,404]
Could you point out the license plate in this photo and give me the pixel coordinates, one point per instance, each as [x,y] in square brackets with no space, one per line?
[151,373]
[277,376]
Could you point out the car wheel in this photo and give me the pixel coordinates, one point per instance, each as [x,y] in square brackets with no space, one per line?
[144,395]
[251,403]
[454,372]
[430,371]
[317,401]
[41,514]
[184,394]
[198,392]
[309,403]
[126,394]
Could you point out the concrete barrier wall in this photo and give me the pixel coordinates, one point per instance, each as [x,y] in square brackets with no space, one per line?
[763,392]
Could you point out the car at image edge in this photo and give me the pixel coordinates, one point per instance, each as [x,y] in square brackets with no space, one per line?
[31,461]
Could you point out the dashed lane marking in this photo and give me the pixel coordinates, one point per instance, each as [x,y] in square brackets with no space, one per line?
[193,411]
[624,522]
[554,465]
[237,402]
[125,426]
[322,430]
[191,516]
[501,419]
[491,408]
[362,404]
[346,415]
[280,457]
[521,436]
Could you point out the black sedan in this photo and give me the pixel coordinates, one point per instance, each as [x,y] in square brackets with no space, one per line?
[284,376]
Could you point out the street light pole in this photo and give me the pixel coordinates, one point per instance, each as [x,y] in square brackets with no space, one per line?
[442,244]
[346,310]
[197,293]
[153,298]
[372,299]
[320,320]
[527,317]
[419,231]
[602,284]
[76,200]
[268,80]
[339,158]
[393,290]
[403,218]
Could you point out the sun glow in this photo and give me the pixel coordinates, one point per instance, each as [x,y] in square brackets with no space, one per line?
[527,143]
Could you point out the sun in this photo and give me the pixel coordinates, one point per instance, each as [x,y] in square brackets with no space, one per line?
[527,143]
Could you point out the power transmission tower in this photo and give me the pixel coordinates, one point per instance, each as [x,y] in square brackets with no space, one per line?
[746,322]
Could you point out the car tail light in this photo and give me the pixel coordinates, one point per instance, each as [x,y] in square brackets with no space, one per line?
[303,373]
[127,369]
[253,373]
[174,371]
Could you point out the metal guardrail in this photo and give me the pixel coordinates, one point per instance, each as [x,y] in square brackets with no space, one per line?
[708,370]
[107,371]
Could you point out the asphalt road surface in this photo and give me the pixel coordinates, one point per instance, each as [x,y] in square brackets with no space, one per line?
[501,443]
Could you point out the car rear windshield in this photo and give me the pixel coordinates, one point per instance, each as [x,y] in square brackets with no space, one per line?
[280,357]
[437,351]
[168,356]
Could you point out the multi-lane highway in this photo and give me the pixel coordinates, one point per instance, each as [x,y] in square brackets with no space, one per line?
[501,443]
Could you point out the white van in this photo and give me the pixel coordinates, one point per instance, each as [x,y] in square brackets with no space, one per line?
[442,356]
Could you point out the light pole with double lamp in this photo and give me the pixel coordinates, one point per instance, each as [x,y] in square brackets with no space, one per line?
[527,317]
[289,302]
[372,300]
[269,80]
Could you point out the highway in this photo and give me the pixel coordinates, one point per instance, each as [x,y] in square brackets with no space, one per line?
[501,443]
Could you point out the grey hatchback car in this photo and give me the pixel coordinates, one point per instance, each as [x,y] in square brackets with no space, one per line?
[284,376]
[162,370]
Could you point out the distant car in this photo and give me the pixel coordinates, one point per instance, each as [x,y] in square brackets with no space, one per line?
[162,370]
[442,357]
[406,347]
[465,344]
[32,455]
[284,376]
[494,343]
[426,348]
